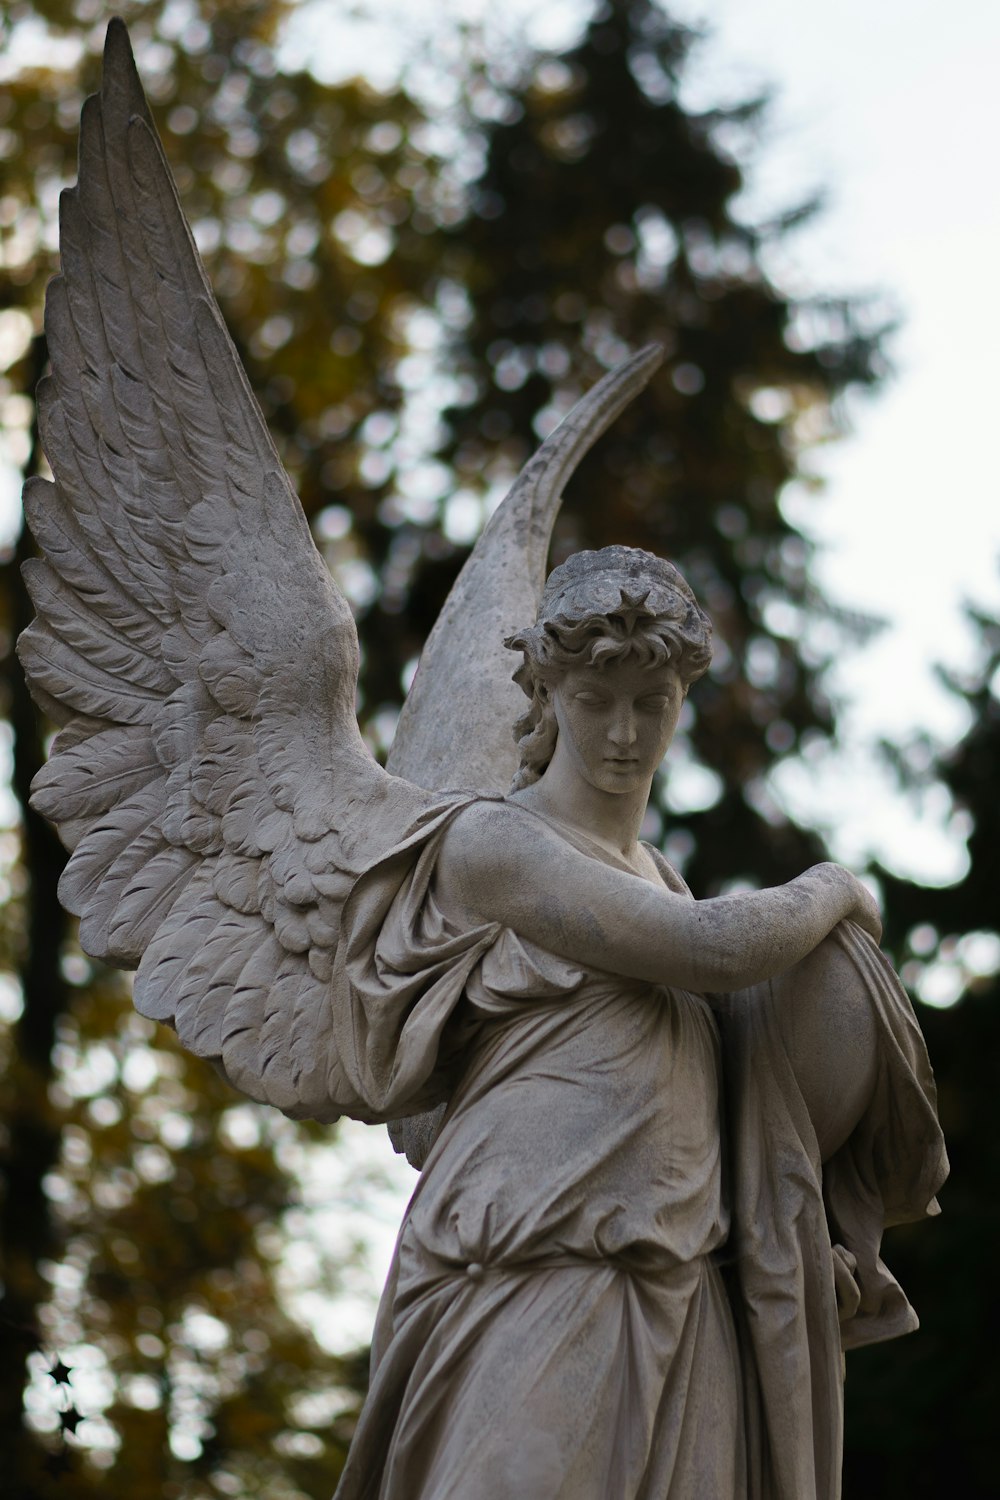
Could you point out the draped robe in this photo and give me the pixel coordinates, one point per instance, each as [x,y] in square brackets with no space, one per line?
[619,1277]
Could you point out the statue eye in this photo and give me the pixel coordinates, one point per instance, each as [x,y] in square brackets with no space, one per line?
[655,703]
[588,696]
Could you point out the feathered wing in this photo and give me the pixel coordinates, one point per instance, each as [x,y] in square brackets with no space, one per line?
[209,775]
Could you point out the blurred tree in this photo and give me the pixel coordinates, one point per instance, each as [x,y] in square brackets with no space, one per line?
[375,272]
[921,1415]
[607,215]
[142,1205]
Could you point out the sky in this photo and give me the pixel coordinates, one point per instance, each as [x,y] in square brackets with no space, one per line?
[893,110]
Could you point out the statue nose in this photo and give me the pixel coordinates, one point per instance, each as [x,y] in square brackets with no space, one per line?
[623,731]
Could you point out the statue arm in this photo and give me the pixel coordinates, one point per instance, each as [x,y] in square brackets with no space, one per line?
[503,867]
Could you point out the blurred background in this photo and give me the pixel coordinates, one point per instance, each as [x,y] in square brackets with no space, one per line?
[430,229]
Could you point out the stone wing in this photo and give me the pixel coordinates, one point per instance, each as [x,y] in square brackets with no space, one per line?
[209,777]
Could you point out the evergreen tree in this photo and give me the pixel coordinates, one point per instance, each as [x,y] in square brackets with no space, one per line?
[606,217]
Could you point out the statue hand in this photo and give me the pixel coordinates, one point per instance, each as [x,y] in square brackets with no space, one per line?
[860,904]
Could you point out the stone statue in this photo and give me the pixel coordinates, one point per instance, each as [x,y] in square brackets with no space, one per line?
[660,1137]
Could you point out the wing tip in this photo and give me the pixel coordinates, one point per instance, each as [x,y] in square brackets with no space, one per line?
[120,75]
[118,47]
[648,359]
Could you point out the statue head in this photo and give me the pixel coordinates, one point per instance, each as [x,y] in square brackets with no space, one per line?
[598,608]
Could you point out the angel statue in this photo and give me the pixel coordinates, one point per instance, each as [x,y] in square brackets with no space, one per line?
[660,1137]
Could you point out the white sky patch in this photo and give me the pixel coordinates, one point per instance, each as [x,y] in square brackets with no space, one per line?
[890,110]
[898,134]
[353,1197]
[378,40]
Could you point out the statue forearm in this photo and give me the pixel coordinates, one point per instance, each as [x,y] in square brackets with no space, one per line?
[504,868]
[736,941]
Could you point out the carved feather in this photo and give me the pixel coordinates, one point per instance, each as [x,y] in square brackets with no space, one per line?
[190,634]
[89,778]
[211,777]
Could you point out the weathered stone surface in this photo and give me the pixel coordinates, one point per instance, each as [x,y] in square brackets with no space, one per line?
[614,1089]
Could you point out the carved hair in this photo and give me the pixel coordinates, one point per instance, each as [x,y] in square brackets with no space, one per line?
[599,608]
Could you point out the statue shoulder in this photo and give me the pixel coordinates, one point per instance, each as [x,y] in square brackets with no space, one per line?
[489,846]
[483,833]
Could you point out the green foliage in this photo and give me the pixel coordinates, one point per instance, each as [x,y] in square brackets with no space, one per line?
[169,1197]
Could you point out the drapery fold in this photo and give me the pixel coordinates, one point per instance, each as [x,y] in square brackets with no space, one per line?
[807,1234]
[556,1325]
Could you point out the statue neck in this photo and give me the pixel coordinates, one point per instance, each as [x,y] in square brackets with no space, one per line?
[609,818]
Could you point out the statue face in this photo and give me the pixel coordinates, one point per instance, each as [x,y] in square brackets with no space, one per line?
[616,721]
